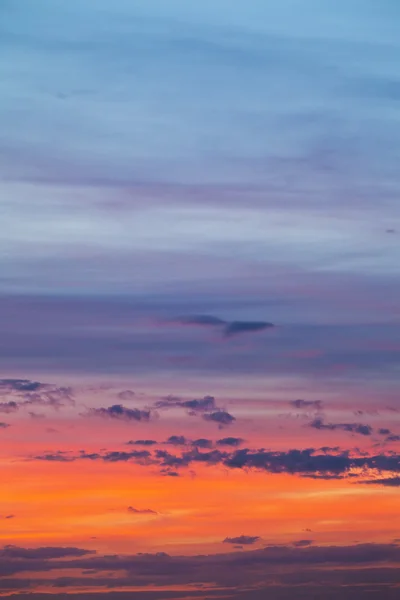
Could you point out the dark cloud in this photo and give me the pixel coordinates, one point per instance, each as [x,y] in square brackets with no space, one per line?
[317,404]
[350,427]
[233,571]
[8,517]
[4,425]
[229,328]
[384,431]
[126,395]
[230,441]
[142,442]
[302,543]
[393,438]
[308,462]
[386,481]
[195,406]
[237,327]
[202,443]
[8,407]
[176,440]
[42,553]
[222,417]
[34,415]
[202,320]
[21,385]
[243,540]
[120,412]
[141,511]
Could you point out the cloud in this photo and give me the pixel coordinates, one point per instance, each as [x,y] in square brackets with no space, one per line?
[385,481]
[21,385]
[230,441]
[141,511]
[141,442]
[30,392]
[9,517]
[302,543]
[243,540]
[304,463]
[202,320]
[46,553]
[260,569]
[238,327]
[350,427]
[317,404]
[202,443]
[120,412]
[176,440]
[126,395]
[4,425]
[222,417]
[229,328]
[8,407]
[193,406]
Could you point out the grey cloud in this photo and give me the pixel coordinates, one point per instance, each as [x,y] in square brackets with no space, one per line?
[385,481]
[230,441]
[8,407]
[194,406]
[304,463]
[222,417]
[42,553]
[202,443]
[142,442]
[176,440]
[141,511]
[120,412]
[244,540]
[317,404]
[229,328]
[238,327]
[302,543]
[4,425]
[350,427]
[127,395]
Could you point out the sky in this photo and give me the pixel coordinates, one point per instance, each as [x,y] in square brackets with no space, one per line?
[199,299]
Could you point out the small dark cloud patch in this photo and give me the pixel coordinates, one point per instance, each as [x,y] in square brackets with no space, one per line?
[120,412]
[302,543]
[221,417]
[228,328]
[202,320]
[385,481]
[202,443]
[238,327]
[44,553]
[317,404]
[393,438]
[242,540]
[359,428]
[384,431]
[195,406]
[36,416]
[176,440]
[4,425]
[7,517]
[141,511]
[21,385]
[126,395]
[8,407]
[230,441]
[141,442]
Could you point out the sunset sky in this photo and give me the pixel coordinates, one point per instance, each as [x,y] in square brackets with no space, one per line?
[200,299]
